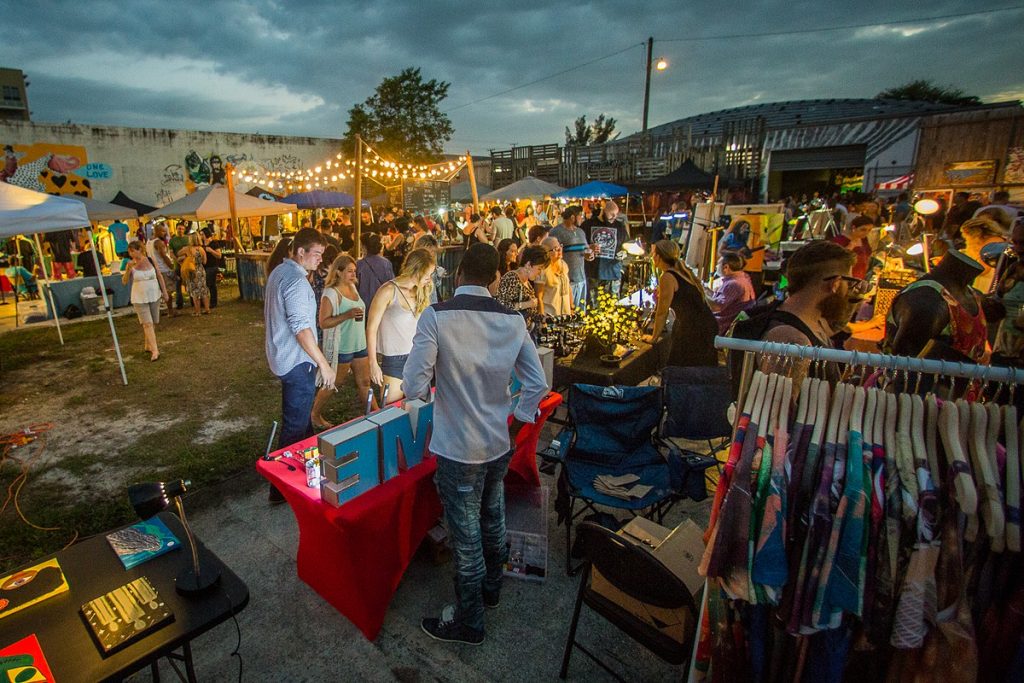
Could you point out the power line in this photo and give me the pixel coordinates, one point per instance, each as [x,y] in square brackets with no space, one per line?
[767,34]
[919,20]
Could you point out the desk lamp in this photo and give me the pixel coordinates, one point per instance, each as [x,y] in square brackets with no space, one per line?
[149,499]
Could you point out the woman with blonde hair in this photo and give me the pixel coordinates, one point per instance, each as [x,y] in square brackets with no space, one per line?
[554,292]
[391,321]
[193,274]
[694,330]
[148,289]
[341,317]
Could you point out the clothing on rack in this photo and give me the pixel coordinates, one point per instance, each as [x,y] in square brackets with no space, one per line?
[863,533]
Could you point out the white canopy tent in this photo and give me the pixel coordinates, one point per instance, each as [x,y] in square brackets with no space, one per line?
[211,203]
[24,211]
[527,188]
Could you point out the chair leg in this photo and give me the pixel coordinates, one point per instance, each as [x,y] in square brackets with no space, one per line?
[568,539]
[570,641]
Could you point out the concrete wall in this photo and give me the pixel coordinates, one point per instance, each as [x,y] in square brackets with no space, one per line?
[150,165]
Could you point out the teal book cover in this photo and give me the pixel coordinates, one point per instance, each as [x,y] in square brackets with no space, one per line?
[142,541]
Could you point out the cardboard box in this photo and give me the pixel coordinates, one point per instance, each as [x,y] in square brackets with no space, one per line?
[680,550]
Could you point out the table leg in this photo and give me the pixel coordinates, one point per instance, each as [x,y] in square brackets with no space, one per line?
[154,670]
[190,667]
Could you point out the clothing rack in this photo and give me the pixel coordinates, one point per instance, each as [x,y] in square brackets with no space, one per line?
[985,373]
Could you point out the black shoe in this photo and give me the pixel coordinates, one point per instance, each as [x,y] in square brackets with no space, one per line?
[492,600]
[449,630]
[275,497]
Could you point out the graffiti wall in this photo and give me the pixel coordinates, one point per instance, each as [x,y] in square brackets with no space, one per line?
[50,168]
[153,166]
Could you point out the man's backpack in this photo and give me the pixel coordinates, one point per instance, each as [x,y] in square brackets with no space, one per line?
[754,324]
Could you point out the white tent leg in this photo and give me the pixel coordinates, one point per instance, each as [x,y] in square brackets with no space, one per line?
[46,283]
[107,306]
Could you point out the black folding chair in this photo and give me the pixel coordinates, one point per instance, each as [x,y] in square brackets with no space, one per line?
[638,574]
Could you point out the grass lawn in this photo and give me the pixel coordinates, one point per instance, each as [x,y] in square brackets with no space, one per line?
[203,412]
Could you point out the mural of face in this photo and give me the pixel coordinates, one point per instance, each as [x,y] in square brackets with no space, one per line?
[217,173]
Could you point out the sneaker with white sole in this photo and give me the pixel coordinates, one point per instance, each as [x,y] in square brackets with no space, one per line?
[447,629]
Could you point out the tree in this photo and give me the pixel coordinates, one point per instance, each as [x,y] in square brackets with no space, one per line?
[926,91]
[595,134]
[402,120]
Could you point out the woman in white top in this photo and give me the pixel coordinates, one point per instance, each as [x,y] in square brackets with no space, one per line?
[554,292]
[148,289]
[391,321]
[344,334]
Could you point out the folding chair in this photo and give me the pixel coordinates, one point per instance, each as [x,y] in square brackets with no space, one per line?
[636,576]
[612,432]
[697,401]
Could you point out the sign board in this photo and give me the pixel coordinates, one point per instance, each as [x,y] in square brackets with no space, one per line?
[970,173]
[425,196]
[98,171]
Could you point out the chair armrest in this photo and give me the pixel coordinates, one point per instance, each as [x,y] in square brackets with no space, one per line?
[559,447]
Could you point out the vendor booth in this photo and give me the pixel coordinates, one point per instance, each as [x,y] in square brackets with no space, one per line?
[26,211]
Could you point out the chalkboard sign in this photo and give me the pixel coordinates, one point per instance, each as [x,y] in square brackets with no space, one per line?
[423,196]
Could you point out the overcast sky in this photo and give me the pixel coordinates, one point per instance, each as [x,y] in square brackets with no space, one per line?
[295,67]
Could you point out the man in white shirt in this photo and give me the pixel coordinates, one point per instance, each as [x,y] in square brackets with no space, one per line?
[472,356]
[503,227]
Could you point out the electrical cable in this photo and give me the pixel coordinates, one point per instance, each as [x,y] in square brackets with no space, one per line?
[766,34]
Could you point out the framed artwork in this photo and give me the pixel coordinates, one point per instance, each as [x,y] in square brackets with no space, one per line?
[970,173]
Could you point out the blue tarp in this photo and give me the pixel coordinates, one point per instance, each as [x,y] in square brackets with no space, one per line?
[321,199]
[595,188]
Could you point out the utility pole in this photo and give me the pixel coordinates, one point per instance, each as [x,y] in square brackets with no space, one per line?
[357,201]
[647,80]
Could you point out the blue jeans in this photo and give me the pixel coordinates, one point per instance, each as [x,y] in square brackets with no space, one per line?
[298,388]
[579,295]
[474,512]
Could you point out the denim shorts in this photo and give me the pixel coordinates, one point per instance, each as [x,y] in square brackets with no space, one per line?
[392,366]
[344,358]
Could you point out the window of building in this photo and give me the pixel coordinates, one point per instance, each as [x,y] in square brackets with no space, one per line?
[11,95]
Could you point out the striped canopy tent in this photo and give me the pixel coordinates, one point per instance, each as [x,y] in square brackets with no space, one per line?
[901,183]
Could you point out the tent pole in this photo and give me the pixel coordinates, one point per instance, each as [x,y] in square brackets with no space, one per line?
[357,201]
[46,282]
[107,306]
[472,180]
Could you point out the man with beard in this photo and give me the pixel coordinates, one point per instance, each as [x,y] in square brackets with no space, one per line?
[820,297]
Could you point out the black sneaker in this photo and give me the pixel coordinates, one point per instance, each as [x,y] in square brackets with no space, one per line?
[492,600]
[449,630]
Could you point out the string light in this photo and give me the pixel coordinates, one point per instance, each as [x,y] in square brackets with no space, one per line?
[373,167]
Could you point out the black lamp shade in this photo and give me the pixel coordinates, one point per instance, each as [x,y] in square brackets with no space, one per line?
[151,498]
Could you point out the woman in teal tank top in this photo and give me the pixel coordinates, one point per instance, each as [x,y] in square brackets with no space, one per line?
[342,319]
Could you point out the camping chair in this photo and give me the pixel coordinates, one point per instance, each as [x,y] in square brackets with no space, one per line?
[611,432]
[622,580]
[697,401]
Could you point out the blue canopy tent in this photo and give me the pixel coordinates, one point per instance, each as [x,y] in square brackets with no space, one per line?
[593,190]
[322,199]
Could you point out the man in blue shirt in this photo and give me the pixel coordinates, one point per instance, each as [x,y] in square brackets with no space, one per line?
[472,356]
[289,311]
[119,231]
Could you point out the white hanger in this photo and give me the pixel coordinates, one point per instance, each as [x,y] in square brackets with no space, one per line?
[931,445]
[949,431]
[991,507]
[905,453]
[992,439]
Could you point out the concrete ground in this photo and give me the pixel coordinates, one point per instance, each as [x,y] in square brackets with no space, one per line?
[288,633]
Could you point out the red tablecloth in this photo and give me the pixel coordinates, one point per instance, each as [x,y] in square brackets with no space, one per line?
[354,556]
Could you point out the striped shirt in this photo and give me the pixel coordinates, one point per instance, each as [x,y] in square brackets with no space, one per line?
[471,344]
[288,308]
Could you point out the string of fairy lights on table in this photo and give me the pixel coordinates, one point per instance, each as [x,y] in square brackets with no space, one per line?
[374,167]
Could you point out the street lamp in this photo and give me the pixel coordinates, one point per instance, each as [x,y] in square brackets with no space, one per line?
[661,65]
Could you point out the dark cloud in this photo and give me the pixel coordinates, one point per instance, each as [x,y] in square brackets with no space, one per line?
[297,54]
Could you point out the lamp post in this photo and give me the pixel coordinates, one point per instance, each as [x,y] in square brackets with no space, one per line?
[661,65]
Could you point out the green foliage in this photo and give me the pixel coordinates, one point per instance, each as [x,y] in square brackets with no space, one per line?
[402,120]
[593,134]
[923,90]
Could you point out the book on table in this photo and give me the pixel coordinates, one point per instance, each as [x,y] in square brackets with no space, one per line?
[24,662]
[117,617]
[30,586]
[142,541]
